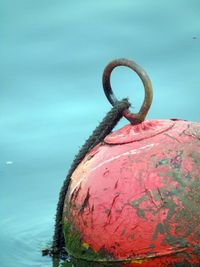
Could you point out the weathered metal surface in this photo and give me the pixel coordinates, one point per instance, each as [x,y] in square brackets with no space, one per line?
[134,118]
[140,131]
[136,202]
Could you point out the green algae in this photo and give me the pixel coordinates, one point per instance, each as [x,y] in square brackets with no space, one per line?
[80,250]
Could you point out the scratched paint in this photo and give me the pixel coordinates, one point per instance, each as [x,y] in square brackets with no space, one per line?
[136,202]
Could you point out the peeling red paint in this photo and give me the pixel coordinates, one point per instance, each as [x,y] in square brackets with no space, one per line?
[137,194]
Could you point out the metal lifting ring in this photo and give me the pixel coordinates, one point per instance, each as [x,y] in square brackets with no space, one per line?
[134,118]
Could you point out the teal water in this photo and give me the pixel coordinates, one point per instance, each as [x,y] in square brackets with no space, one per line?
[52,57]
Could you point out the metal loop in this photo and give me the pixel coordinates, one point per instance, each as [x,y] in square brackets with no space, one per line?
[134,118]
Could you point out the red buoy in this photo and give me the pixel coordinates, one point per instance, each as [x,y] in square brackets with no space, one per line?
[134,200]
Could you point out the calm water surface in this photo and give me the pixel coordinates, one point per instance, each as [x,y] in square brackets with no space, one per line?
[52,57]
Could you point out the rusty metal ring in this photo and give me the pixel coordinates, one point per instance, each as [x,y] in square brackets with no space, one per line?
[134,118]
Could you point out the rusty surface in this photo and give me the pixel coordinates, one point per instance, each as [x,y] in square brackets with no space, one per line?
[137,117]
[137,203]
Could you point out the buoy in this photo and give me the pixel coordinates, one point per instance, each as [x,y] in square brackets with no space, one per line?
[134,200]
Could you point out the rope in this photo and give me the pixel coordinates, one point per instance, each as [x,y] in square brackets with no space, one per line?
[101,131]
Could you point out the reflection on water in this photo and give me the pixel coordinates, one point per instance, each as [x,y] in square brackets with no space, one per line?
[53,55]
[19,245]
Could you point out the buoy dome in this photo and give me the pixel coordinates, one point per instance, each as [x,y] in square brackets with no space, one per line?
[134,200]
